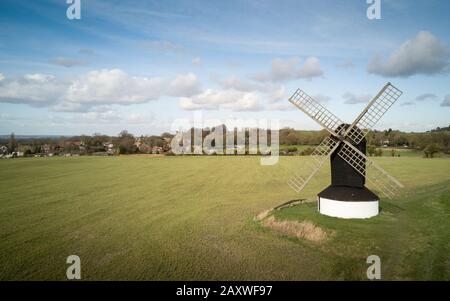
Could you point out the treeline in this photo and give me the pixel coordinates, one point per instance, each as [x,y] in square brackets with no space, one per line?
[123,143]
[430,142]
[438,138]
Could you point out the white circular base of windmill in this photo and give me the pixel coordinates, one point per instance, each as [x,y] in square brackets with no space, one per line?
[345,209]
[348,202]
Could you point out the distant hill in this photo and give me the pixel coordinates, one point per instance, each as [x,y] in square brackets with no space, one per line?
[22,137]
[439,129]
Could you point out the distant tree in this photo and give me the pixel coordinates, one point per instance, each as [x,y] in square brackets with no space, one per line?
[125,134]
[167,135]
[126,143]
[122,150]
[36,148]
[378,152]
[12,143]
[291,139]
[431,150]
[392,152]
[371,149]
[292,149]
[307,151]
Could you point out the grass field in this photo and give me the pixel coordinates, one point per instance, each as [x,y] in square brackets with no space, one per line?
[191,218]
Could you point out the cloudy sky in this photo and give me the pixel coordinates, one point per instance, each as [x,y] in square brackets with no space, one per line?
[139,65]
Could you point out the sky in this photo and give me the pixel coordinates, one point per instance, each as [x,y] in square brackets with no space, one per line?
[141,65]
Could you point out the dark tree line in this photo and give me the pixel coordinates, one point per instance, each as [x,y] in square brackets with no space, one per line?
[439,138]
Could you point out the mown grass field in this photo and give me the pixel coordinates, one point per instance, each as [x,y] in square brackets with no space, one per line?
[191,218]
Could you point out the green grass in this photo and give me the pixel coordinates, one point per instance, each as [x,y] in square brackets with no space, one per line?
[403,152]
[189,218]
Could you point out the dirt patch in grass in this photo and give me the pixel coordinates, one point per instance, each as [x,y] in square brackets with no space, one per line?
[305,229]
[263,215]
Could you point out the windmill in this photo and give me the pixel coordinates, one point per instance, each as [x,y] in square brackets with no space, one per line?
[347,196]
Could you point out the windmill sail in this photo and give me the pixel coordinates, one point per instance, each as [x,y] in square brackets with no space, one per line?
[301,178]
[377,176]
[316,111]
[372,113]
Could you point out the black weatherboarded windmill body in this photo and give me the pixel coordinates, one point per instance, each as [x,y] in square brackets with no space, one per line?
[347,196]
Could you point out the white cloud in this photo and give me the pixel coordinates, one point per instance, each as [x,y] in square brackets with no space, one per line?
[35,89]
[446,101]
[184,85]
[281,106]
[113,117]
[277,94]
[197,61]
[38,77]
[426,96]
[113,87]
[351,98]
[271,92]
[222,99]
[288,69]
[235,83]
[94,89]
[283,69]
[2,77]
[424,54]
[310,69]
[68,62]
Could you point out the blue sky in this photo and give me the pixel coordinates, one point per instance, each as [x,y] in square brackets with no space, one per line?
[139,65]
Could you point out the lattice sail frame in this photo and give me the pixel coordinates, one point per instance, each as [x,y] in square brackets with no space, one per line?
[373,112]
[299,180]
[316,111]
[378,177]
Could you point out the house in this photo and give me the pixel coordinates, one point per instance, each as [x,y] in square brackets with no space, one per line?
[72,144]
[109,146]
[18,154]
[144,148]
[3,149]
[46,148]
[157,150]
[138,142]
